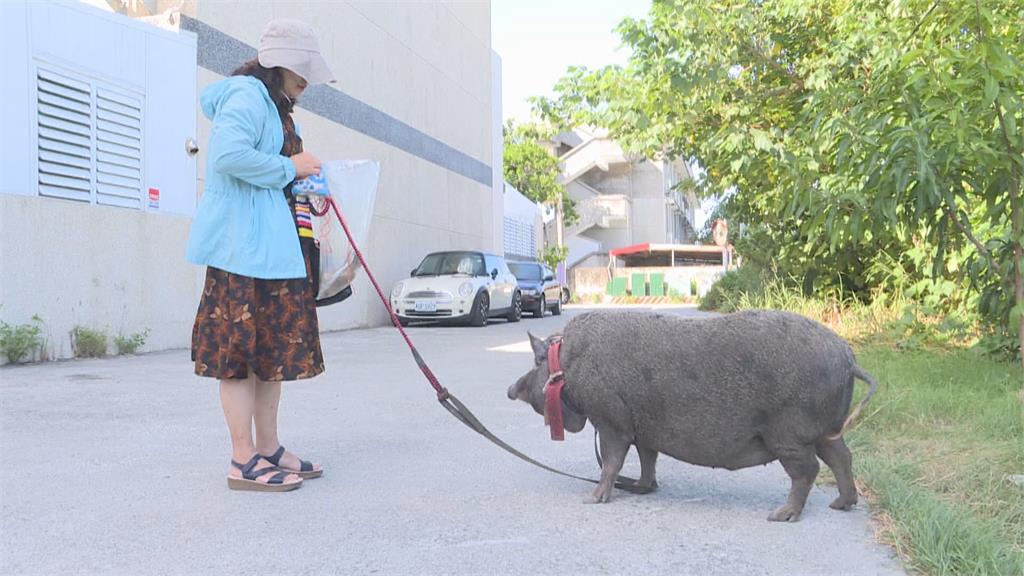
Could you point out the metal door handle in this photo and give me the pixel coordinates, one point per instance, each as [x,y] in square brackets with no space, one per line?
[191,147]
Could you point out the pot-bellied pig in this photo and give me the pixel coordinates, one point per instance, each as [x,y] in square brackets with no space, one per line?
[727,391]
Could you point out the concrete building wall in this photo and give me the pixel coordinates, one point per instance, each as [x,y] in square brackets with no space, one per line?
[77,263]
[414,92]
[423,74]
[498,195]
[96,267]
[643,183]
[609,238]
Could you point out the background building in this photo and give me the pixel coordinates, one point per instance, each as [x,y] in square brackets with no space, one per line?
[97,190]
[621,199]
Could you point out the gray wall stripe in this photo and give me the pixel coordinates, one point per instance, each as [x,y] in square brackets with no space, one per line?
[221,53]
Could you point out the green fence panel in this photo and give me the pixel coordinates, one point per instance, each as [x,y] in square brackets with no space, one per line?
[617,287]
[638,284]
[657,284]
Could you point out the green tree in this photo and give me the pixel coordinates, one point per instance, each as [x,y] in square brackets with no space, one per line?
[532,170]
[859,135]
[529,167]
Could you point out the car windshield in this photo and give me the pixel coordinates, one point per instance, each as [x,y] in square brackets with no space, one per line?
[525,271]
[443,263]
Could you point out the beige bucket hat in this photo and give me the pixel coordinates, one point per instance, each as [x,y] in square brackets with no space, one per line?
[293,44]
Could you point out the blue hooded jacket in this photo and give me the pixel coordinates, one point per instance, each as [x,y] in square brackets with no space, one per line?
[243,224]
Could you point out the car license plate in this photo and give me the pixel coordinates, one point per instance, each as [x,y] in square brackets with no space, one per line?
[426,306]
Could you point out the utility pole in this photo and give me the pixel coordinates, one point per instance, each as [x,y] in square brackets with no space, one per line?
[559,239]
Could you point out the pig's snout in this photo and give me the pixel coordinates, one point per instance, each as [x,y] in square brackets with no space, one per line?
[515,390]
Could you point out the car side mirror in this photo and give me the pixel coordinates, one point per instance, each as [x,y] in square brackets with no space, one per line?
[549,278]
[494,274]
[412,272]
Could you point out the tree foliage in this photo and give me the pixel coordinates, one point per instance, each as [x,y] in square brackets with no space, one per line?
[532,170]
[866,143]
[529,167]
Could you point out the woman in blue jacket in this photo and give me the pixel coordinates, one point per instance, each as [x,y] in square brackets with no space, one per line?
[257,324]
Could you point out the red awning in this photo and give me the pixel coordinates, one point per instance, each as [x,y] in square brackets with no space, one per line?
[648,254]
[630,249]
[691,248]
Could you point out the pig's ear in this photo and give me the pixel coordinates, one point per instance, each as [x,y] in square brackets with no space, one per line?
[540,348]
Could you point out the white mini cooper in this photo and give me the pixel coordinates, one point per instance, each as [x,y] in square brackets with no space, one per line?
[462,286]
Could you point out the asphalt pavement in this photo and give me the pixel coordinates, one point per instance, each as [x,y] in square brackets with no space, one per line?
[117,466]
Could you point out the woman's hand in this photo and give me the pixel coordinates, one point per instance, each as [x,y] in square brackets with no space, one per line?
[305,164]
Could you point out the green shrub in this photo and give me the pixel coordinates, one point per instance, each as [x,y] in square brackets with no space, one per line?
[18,341]
[88,343]
[723,295]
[130,344]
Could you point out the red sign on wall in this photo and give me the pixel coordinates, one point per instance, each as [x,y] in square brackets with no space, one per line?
[154,198]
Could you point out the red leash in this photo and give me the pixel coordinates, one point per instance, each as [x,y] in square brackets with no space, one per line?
[450,402]
[442,392]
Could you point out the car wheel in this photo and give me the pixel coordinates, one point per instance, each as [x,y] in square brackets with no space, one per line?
[557,310]
[542,305]
[517,308]
[565,295]
[481,307]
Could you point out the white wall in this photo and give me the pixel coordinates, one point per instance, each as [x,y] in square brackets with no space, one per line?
[518,206]
[118,270]
[16,160]
[427,65]
[92,266]
[499,207]
[580,247]
[527,213]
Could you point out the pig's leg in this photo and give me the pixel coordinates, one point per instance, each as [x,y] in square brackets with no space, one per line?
[613,455]
[837,456]
[801,463]
[648,458]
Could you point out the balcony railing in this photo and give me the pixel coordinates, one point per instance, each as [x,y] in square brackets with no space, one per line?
[606,211]
[597,152]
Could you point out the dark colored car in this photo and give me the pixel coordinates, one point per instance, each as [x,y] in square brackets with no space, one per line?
[540,290]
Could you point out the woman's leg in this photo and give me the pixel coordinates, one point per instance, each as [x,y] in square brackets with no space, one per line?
[238,398]
[267,402]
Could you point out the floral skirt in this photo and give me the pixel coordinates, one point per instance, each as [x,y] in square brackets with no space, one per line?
[268,327]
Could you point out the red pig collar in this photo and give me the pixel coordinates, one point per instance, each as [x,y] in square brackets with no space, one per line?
[553,393]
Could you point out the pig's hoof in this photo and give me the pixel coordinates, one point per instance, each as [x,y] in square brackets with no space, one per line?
[784,514]
[651,486]
[841,503]
[597,498]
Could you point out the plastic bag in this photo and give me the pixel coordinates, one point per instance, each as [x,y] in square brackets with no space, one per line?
[353,186]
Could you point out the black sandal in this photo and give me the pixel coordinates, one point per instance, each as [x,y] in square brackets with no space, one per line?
[249,481]
[306,468]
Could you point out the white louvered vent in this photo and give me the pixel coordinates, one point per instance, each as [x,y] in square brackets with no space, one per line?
[519,238]
[65,137]
[118,149]
[90,141]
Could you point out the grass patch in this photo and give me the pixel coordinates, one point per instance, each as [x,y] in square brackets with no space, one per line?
[88,343]
[936,448]
[21,340]
[131,344]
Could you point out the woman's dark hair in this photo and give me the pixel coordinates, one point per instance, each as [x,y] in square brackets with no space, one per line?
[273,79]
